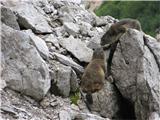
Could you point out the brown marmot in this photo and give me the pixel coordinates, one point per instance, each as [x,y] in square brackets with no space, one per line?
[94,74]
[117,30]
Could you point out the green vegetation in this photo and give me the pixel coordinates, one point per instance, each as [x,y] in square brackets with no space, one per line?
[74,97]
[147,12]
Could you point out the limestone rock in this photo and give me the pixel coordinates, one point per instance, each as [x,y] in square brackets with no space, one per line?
[136,73]
[75,13]
[52,39]
[69,62]
[61,76]
[39,44]
[30,18]
[104,20]
[84,28]
[77,48]
[74,81]
[8,18]
[72,113]
[107,106]
[71,28]
[25,71]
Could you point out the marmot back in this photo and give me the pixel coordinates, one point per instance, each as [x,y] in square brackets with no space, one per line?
[118,29]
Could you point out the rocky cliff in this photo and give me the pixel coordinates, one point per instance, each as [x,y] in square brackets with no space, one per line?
[45,47]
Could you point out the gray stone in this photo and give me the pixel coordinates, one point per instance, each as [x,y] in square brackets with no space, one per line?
[136,73]
[71,28]
[74,81]
[25,71]
[84,28]
[3,82]
[69,62]
[94,42]
[64,115]
[75,13]
[52,39]
[8,18]
[39,44]
[154,116]
[104,20]
[61,76]
[74,113]
[107,106]
[155,47]
[60,31]
[30,18]
[77,48]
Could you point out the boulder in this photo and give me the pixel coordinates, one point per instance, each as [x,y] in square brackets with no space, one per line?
[74,81]
[60,76]
[75,13]
[8,18]
[52,39]
[77,48]
[39,44]
[136,73]
[74,113]
[71,28]
[25,71]
[107,106]
[30,18]
[69,62]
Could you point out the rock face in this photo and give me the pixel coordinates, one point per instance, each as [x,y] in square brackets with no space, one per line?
[77,48]
[68,61]
[61,76]
[71,28]
[39,44]
[30,18]
[8,18]
[136,73]
[107,106]
[24,70]
[46,44]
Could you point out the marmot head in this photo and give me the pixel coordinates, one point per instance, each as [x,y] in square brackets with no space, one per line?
[98,53]
[112,34]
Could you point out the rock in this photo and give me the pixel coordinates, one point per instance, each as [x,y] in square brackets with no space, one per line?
[77,114]
[75,13]
[60,31]
[104,20]
[64,115]
[84,28]
[48,9]
[39,44]
[155,47]
[94,42]
[25,71]
[77,48]
[30,18]
[69,62]
[8,18]
[3,82]
[74,81]
[154,116]
[158,37]
[71,28]
[136,73]
[107,106]
[52,39]
[61,76]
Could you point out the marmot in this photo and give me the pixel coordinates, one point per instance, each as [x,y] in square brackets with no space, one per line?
[117,29]
[94,74]
[111,37]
